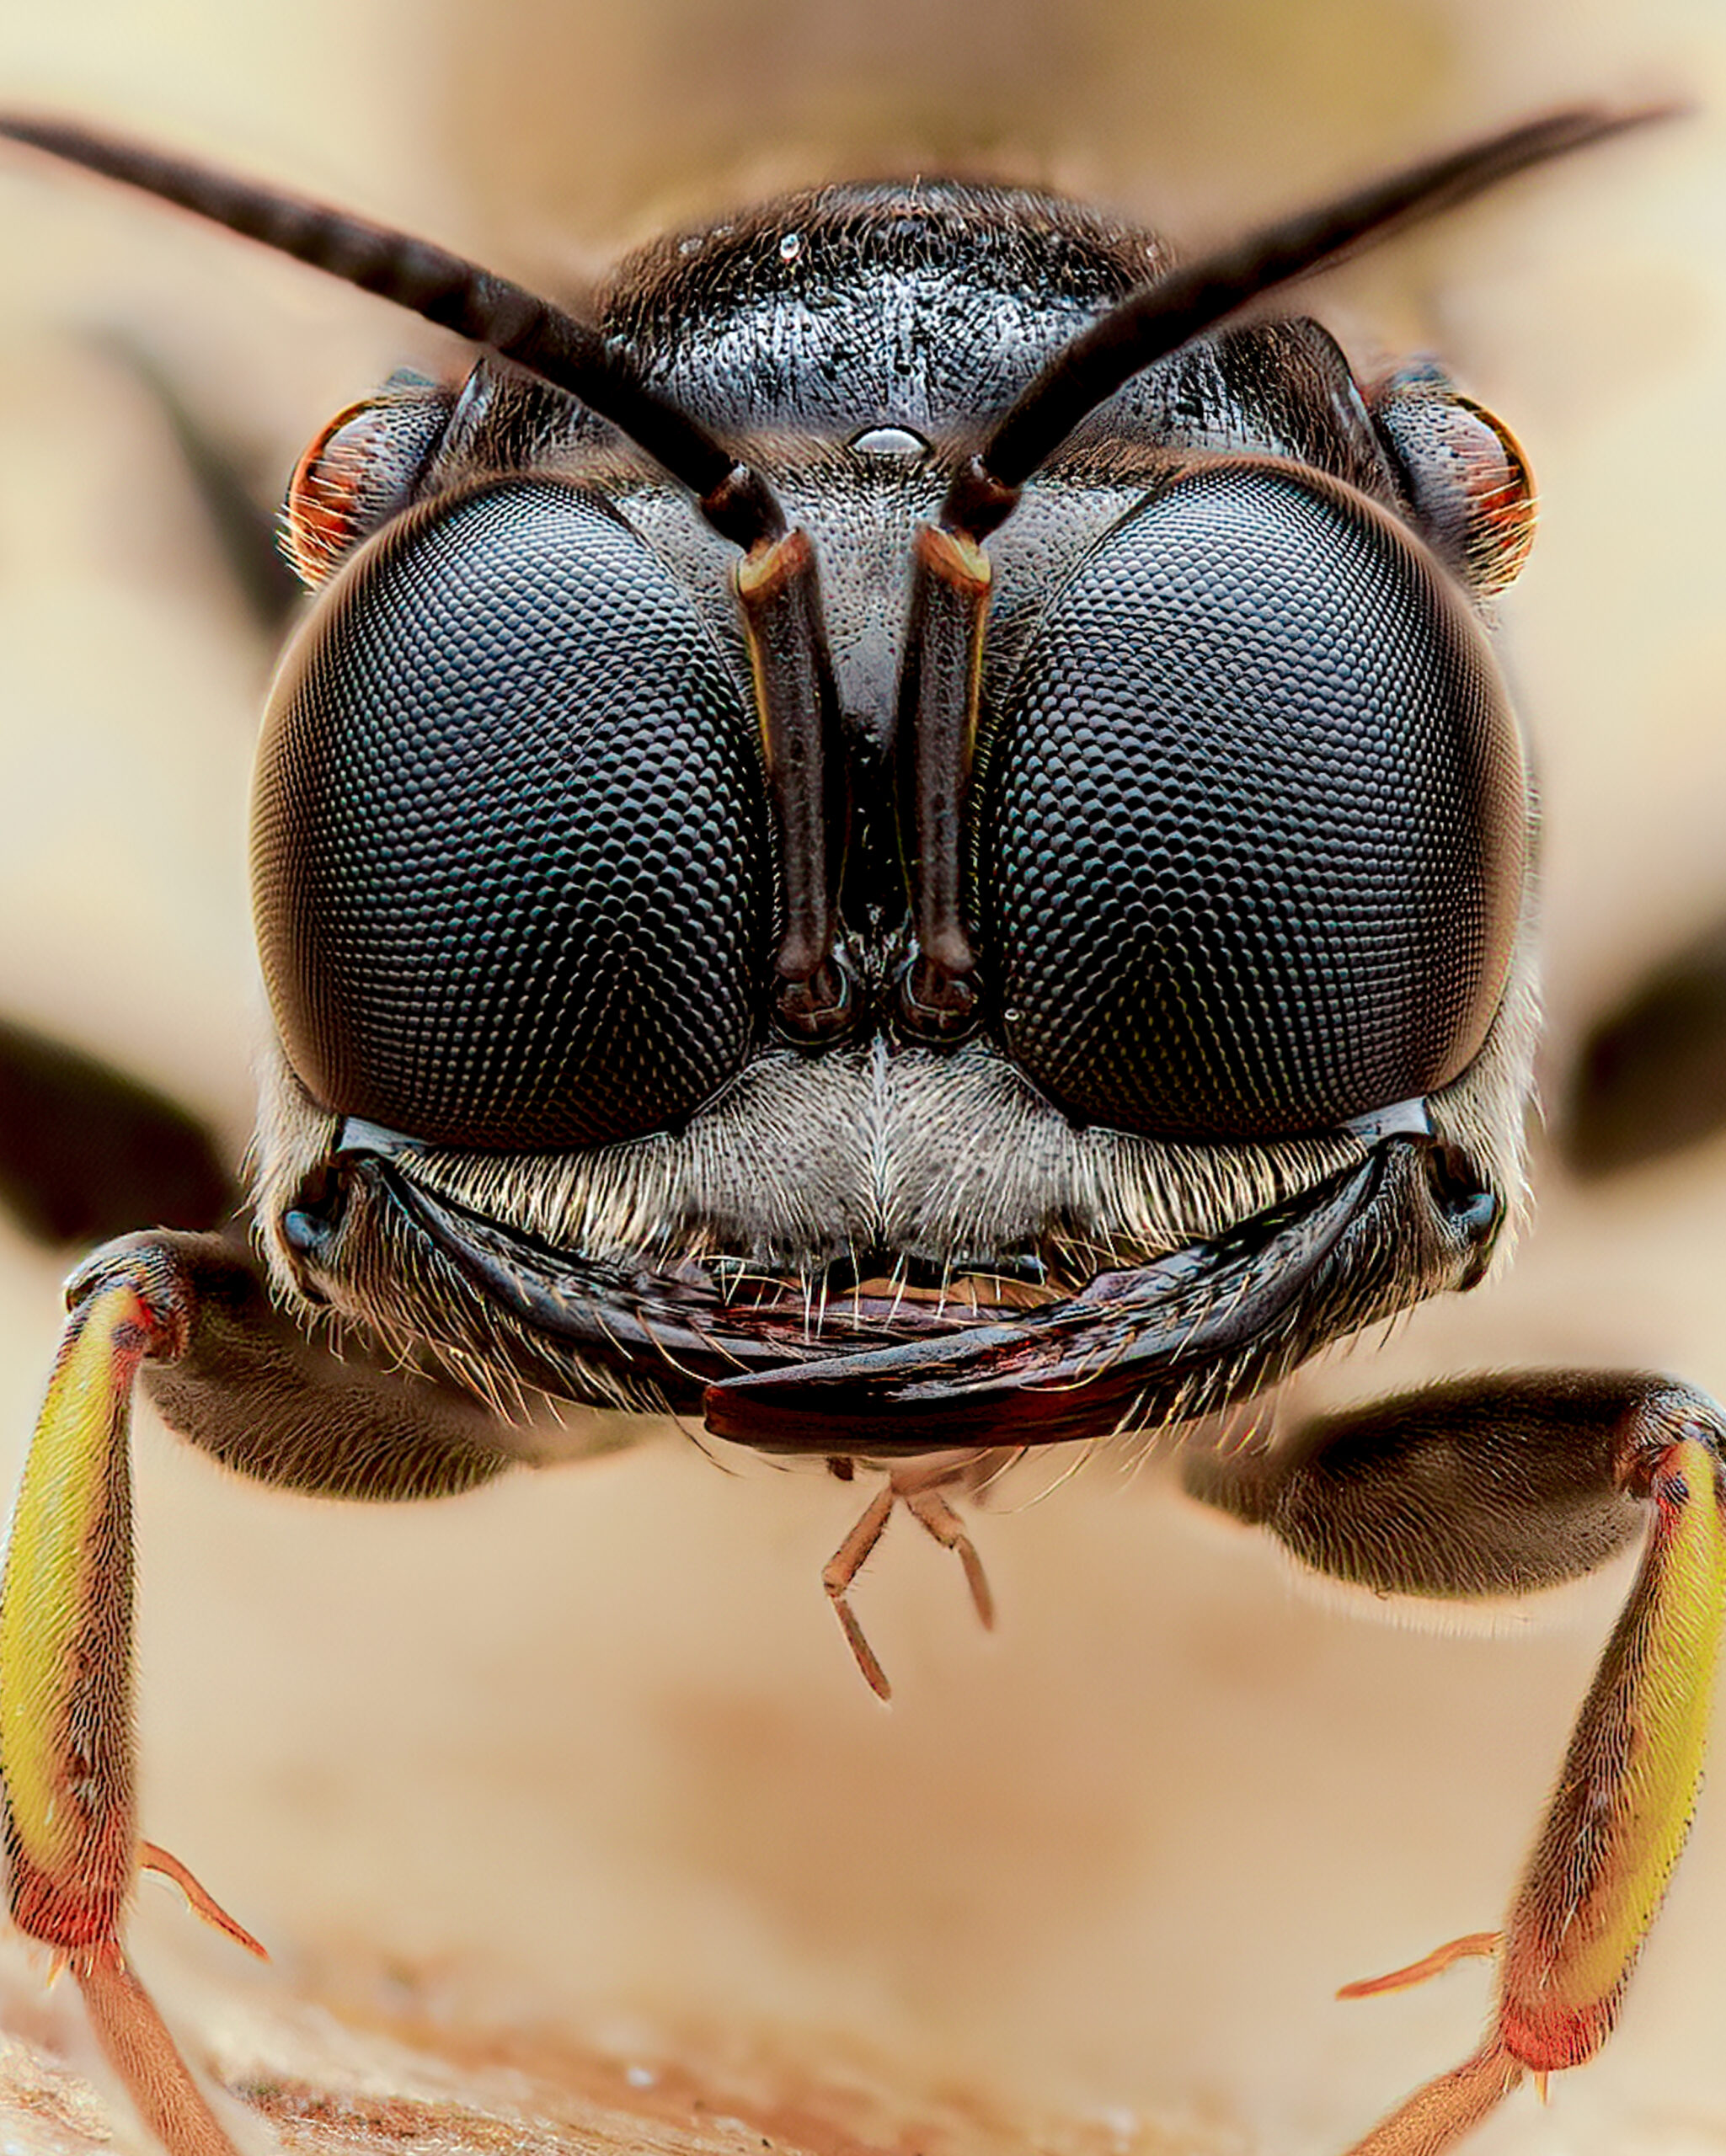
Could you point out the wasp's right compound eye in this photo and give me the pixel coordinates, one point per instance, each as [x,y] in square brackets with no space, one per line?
[1255,823]
[512,856]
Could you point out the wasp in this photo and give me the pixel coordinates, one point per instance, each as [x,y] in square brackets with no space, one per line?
[911,846]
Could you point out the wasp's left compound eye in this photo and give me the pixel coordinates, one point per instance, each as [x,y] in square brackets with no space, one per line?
[1253,823]
[510,853]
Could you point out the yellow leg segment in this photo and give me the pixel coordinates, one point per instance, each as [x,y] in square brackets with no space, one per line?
[65,1650]
[66,1686]
[1617,1820]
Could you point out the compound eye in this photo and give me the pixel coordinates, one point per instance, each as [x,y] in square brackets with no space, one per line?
[511,854]
[1253,823]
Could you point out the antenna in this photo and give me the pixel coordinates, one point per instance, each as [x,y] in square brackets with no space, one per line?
[1159,318]
[454,293]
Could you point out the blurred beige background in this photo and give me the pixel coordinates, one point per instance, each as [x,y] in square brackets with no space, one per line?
[576,1774]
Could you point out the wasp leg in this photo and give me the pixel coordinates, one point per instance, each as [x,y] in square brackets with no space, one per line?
[249,1386]
[187,1313]
[1498,1486]
[66,1683]
[1483,1944]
